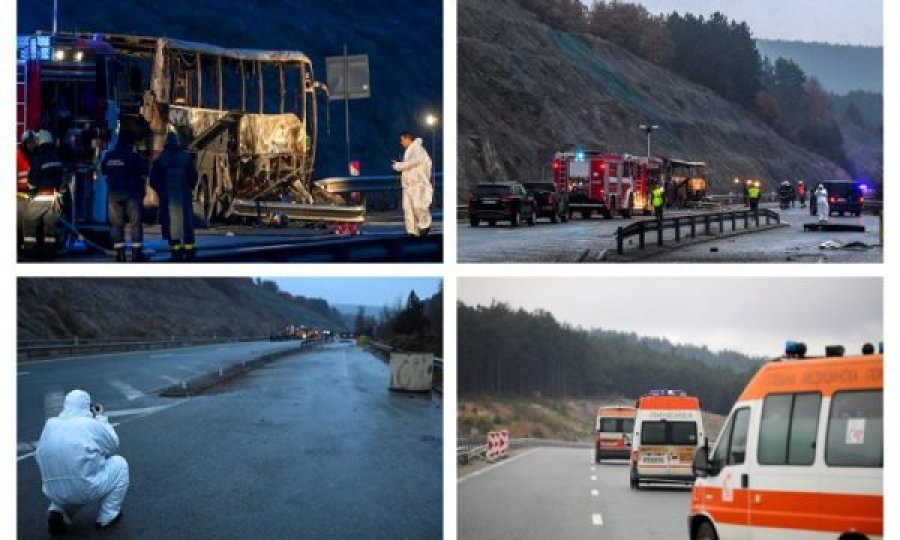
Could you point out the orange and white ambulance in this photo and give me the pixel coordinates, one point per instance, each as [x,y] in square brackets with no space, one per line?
[615,426]
[800,456]
[668,429]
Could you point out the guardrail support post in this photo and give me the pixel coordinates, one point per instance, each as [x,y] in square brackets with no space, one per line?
[706,224]
[641,237]
[693,227]
[733,222]
[746,220]
[677,223]
[721,223]
[659,233]
[756,218]
[619,247]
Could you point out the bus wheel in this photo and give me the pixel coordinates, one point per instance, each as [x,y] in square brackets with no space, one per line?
[706,532]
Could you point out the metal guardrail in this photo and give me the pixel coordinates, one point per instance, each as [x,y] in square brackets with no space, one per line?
[361,248]
[367,184]
[31,349]
[298,212]
[641,228]
[467,449]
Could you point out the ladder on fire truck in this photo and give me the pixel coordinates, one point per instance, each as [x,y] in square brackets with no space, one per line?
[21,99]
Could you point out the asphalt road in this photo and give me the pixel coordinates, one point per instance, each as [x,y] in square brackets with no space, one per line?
[586,240]
[791,244]
[310,446]
[560,493]
[237,236]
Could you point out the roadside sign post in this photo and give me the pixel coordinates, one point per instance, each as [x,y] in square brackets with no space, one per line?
[348,78]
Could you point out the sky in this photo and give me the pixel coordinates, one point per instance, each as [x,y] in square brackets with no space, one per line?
[360,291]
[750,315]
[854,22]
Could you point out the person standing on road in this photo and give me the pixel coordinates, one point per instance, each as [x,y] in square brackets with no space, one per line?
[658,200]
[822,209]
[173,177]
[126,173]
[76,457]
[801,193]
[415,178]
[45,177]
[753,194]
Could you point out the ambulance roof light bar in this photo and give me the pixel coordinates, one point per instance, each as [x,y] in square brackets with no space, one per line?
[656,393]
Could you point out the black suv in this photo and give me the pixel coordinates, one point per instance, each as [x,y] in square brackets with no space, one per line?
[844,196]
[500,201]
[548,202]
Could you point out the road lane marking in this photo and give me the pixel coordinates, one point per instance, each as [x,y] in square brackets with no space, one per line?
[597,519]
[131,393]
[142,410]
[593,468]
[170,379]
[595,493]
[594,477]
[20,373]
[495,465]
[164,355]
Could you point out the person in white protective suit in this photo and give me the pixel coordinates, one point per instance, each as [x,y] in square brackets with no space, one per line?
[415,177]
[76,457]
[822,209]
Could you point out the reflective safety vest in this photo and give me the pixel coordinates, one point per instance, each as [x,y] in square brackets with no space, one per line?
[22,168]
[753,192]
[657,199]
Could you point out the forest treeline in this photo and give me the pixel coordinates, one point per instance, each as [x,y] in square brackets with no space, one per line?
[508,352]
[720,54]
[415,325]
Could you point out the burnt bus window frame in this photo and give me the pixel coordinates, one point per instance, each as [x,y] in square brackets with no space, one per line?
[831,417]
[790,427]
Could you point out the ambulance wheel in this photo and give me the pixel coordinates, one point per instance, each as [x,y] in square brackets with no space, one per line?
[706,532]
[635,481]
[474,221]
[492,222]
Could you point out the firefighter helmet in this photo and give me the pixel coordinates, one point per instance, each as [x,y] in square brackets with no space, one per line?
[26,136]
[44,137]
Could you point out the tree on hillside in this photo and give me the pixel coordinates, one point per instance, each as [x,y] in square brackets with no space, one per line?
[631,27]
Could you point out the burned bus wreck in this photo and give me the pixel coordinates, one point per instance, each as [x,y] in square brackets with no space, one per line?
[248,116]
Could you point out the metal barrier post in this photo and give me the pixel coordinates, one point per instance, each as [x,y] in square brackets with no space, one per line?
[693,227]
[619,240]
[641,236]
[706,223]
[733,222]
[746,220]
[677,222]
[721,223]
[756,218]
[659,233]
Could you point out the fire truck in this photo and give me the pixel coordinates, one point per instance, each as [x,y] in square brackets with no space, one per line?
[248,116]
[605,182]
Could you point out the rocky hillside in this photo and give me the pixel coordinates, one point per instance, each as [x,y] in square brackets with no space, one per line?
[525,90]
[403,40]
[115,307]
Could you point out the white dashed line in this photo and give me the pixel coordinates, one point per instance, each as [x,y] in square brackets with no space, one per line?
[595,493]
[20,373]
[164,355]
[131,393]
[594,477]
[593,468]
[597,519]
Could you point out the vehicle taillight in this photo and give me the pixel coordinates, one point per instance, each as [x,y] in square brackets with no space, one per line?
[860,200]
[832,199]
[556,165]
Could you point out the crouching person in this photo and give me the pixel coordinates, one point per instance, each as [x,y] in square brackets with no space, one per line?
[76,457]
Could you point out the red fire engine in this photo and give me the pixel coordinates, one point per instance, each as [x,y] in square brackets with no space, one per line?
[606,182]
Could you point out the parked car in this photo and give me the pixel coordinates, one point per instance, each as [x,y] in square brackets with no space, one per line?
[844,196]
[501,201]
[548,202]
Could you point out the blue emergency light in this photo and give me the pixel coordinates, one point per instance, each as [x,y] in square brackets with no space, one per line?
[794,349]
[579,156]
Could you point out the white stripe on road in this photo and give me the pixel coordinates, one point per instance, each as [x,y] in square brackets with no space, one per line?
[131,393]
[594,477]
[170,379]
[595,493]
[164,355]
[20,373]
[593,468]
[597,519]
[495,465]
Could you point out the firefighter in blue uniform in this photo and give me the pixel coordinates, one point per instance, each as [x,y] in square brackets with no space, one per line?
[173,177]
[126,173]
